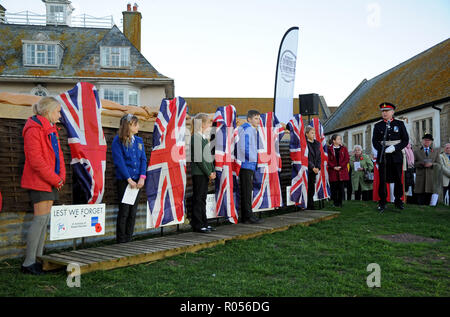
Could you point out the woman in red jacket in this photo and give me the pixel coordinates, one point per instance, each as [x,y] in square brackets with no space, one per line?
[338,159]
[44,174]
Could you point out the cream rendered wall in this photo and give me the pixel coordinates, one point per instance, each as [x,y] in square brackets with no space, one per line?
[152,96]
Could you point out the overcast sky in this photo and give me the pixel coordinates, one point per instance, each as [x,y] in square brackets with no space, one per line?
[228,48]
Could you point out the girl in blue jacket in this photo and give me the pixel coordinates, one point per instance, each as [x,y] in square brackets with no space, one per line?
[131,164]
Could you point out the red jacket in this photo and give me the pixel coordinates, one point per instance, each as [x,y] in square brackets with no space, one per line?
[39,170]
[342,174]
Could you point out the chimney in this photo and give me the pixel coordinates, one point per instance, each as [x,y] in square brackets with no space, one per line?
[132,25]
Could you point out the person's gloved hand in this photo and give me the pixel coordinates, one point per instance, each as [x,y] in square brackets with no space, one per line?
[390,149]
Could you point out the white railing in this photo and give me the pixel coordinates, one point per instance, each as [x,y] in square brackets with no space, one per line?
[82,20]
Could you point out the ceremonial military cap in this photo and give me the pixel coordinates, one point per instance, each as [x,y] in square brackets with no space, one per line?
[428,136]
[386,106]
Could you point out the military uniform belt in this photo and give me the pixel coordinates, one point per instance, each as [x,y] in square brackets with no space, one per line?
[395,142]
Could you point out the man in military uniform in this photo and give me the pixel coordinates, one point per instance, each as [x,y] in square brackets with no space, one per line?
[389,139]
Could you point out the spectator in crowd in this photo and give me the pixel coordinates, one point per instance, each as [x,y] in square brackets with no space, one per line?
[409,173]
[427,163]
[445,164]
[247,153]
[314,163]
[44,174]
[131,165]
[338,159]
[202,170]
[360,164]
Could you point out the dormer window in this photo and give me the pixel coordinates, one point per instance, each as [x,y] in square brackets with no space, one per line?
[58,12]
[115,57]
[42,53]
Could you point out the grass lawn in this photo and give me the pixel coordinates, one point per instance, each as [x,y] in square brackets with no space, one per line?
[325,259]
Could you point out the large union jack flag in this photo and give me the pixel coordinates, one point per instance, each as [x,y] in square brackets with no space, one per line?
[227,168]
[322,182]
[266,182]
[298,149]
[81,116]
[166,172]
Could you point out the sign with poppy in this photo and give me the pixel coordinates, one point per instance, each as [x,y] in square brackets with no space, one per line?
[77,221]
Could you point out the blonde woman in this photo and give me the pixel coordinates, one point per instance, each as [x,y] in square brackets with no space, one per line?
[131,164]
[202,170]
[44,174]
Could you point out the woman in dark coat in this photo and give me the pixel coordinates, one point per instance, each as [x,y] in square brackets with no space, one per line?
[338,159]
[314,162]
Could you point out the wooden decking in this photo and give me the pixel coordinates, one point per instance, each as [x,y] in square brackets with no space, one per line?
[126,254]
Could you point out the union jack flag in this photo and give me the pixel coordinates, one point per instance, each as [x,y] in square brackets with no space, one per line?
[266,182]
[166,172]
[227,168]
[322,182]
[298,149]
[81,116]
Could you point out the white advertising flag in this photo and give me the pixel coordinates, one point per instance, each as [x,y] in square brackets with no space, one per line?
[285,76]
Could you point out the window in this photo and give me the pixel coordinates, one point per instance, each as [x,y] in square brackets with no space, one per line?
[124,95]
[114,57]
[56,14]
[42,54]
[39,91]
[421,127]
[357,139]
[133,97]
[116,95]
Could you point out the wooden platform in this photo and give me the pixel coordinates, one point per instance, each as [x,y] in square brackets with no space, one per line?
[136,252]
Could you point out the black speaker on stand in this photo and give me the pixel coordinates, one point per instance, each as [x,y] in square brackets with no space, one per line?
[309,105]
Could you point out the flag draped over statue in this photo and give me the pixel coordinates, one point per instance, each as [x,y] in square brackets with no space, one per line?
[166,172]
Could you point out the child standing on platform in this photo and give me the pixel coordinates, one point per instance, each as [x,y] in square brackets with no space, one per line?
[131,164]
[202,170]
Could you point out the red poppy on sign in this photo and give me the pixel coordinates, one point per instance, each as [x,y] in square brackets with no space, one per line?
[98,227]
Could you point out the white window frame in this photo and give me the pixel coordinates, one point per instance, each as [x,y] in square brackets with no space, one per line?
[115,57]
[125,89]
[58,17]
[27,47]
[39,90]
[417,135]
[354,133]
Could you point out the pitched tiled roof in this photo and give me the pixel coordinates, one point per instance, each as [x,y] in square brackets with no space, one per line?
[263,105]
[420,80]
[81,54]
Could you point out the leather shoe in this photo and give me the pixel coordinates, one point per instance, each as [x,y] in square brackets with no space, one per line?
[202,230]
[34,269]
[400,206]
[381,208]
[253,220]
[211,228]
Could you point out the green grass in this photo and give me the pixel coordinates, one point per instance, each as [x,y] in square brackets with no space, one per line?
[325,259]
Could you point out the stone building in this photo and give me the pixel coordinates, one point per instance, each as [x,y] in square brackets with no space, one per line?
[419,87]
[48,54]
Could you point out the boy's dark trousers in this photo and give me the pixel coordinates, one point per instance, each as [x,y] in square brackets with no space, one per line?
[126,217]
[246,184]
[200,191]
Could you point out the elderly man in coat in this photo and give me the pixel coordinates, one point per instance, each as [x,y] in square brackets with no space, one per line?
[428,168]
